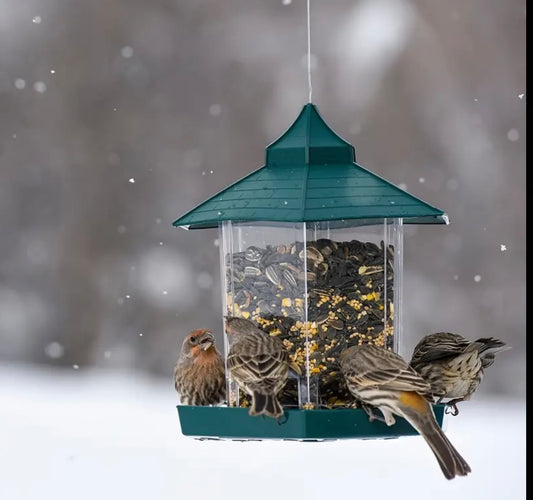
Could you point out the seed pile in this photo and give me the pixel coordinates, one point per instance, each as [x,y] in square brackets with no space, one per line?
[349,302]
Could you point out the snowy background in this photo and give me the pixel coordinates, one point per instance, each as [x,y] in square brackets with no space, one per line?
[118,116]
[107,435]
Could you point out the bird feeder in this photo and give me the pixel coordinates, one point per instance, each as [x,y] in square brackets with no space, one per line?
[311,250]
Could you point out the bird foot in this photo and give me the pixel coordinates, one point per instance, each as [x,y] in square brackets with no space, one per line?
[372,416]
[451,409]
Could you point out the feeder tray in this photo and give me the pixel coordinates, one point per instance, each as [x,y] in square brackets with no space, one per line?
[220,422]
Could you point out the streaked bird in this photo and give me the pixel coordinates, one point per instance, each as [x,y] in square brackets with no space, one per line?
[259,364]
[199,374]
[453,365]
[383,379]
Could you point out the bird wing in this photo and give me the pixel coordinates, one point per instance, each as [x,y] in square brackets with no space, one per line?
[428,350]
[383,368]
[258,358]
[404,380]
[254,368]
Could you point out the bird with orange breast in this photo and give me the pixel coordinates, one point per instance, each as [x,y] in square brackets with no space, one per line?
[199,374]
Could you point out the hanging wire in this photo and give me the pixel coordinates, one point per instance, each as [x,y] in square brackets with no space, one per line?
[309,50]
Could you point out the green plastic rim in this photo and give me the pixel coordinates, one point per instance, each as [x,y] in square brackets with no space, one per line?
[221,422]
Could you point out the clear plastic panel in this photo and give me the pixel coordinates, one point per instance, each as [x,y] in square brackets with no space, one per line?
[320,287]
[264,270]
[351,295]
[394,234]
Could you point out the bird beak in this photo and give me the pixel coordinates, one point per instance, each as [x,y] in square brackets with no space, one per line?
[207,341]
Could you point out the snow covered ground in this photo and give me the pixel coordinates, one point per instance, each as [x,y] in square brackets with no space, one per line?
[103,435]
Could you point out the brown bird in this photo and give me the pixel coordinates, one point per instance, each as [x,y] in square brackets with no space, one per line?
[454,365]
[383,379]
[199,374]
[259,364]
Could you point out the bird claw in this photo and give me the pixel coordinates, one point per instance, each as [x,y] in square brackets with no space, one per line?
[371,415]
[451,409]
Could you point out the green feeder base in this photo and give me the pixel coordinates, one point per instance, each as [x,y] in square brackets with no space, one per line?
[221,422]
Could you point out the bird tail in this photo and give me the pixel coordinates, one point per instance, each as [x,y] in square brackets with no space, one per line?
[487,348]
[265,404]
[450,461]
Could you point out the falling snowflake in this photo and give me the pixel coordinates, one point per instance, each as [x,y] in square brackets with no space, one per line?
[477,278]
[39,87]
[286,2]
[20,83]
[520,96]
[107,354]
[54,350]
[421,180]
[132,180]
[53,71]
[513,135]
[503,248]
[126,52]
[36,20]
[455,277]
[215,109]
[76,367]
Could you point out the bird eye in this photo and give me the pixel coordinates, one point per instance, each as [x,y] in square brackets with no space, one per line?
[193,340]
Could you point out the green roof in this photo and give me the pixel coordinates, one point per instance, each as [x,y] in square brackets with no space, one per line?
[310,175]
